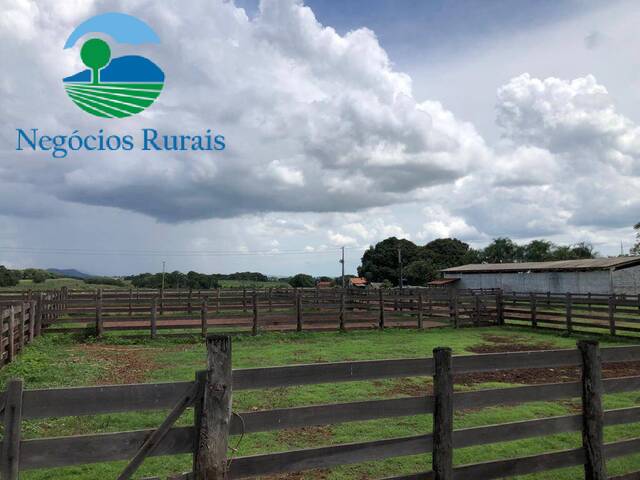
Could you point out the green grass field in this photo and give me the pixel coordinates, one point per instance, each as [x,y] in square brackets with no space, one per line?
[53,361]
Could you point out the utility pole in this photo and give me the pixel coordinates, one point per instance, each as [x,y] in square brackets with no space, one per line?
[163,265]
[400,265]
[342,262]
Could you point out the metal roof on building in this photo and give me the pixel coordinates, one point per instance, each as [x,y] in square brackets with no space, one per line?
[443,281]
[615,263]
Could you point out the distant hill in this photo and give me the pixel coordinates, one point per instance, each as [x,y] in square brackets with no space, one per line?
[128,69]
[69,273]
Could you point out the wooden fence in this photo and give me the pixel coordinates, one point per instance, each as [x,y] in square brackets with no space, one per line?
[19,325]
[210,394]
[593,313]
[268,309]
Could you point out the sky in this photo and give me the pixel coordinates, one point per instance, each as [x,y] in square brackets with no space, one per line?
[344,123]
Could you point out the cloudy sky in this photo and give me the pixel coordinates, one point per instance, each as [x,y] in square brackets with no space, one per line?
[345,123]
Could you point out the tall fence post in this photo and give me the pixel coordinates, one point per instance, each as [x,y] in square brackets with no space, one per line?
[210,462]
[476,310]
[131,301]
[592,415]
[203,318]
[244,299]
[154,317]
[11,348]
[21,324]
[454,307]
[10,460]
[420,311]
[499,308]
[32,320]
[218,300]
[161,300]
[99,323]
[270,299]
[39,313]
[442,459]
[569,313]
[381,301]
[342,312]
[254,329]
[299,312]
[534,310]
[612,314]
[189,304]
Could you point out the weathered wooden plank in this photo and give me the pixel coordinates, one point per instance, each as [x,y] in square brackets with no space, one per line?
[103,447]
[325,457]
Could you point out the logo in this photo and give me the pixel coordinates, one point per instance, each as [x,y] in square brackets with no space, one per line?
[114,87]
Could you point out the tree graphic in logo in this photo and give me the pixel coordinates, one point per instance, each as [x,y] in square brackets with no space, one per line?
[114,87]
[95,54]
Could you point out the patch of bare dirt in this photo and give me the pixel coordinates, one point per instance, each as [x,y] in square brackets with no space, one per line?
[501,338]
[533,376]
[125,363]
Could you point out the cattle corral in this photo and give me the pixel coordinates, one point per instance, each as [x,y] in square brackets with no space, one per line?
[367,413]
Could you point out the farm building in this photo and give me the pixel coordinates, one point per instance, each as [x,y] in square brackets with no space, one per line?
[598,275]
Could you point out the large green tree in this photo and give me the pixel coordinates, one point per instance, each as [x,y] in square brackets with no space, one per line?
[380,262]
[8,278]
[420,272]
[302,280]
[502,250]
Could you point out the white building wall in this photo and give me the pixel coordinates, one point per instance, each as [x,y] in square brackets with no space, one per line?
[627,280]
[597,281]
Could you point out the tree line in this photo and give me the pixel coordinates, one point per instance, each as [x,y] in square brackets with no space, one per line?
[422,263]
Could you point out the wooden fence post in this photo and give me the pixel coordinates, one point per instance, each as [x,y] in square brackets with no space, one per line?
[592,414]
[32,319]
[342,312]
[11,347]
[203,318]
[299,312]
[161,301]
[244,299]
[420,311]
[189,304]
[218,300]
[21,323]
[130,301]
[99,323]
[39,308]
[254,329]
[154,317]
[612,314]
[499,308]
[10,460]
[568,313]
[476,309]
[270,299]
[534,313]
[442,460]
[454,306]
[215,415]
[381,301]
